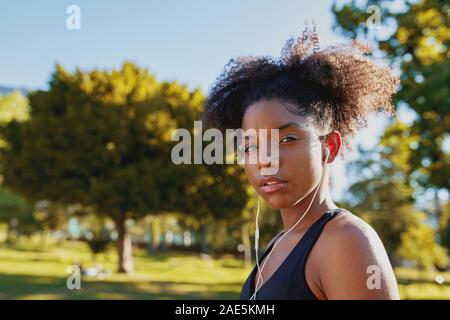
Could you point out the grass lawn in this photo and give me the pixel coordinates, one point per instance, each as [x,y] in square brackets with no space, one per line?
[32,271]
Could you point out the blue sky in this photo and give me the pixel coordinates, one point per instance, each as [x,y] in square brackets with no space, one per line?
[185,40]
[189,41]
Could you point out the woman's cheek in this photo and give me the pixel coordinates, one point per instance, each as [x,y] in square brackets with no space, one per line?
[307,177]
[299,167]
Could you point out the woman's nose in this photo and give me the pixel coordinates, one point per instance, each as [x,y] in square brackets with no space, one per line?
[268,165]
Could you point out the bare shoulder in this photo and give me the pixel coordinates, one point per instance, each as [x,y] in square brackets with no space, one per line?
[348,227]
[355,252]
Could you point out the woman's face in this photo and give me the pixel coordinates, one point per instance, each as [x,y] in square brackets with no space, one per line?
[300,153]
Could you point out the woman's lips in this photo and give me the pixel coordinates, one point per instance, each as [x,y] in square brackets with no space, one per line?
[269,185]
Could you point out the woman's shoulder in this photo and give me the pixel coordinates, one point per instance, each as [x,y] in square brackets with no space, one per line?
[348,224]
[348,231]
[353,248]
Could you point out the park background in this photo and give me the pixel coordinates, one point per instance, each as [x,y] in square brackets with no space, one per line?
[86,117]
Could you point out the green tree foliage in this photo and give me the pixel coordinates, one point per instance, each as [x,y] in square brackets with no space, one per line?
[50,216]
[383,195]
[444,226]
[13,106]
[419,44]
[102,139]
[413,155]
[419,245]
[15,210]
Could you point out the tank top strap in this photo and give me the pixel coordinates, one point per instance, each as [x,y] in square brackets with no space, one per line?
[311,236]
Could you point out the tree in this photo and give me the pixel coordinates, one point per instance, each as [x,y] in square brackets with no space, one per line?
[102,139]
[14,210]
[419,45]
[50,217]
[419,245]
[382,194]
[444,226]
[99,139]
[13,106]
[209,194]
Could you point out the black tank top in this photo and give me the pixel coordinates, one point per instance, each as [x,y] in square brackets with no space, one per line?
[289,281]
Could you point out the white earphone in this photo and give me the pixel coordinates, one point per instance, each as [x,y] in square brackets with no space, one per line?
[253,297]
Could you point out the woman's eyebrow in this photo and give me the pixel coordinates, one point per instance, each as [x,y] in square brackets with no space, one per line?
[288,125]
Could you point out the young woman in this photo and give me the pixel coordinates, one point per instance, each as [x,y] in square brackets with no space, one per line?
[317,99]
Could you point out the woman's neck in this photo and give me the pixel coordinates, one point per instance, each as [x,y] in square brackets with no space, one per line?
[320,205]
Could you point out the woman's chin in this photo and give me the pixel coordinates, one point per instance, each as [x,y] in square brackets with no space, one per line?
[275,202]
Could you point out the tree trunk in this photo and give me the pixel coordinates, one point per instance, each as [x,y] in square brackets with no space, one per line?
[204,239]
[124,248]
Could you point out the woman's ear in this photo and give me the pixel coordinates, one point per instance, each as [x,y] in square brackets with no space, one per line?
[333,143]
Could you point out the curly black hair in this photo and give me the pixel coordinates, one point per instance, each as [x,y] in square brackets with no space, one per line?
[339,85]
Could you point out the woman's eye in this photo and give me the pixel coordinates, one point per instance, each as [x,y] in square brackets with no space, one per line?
[288,139]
